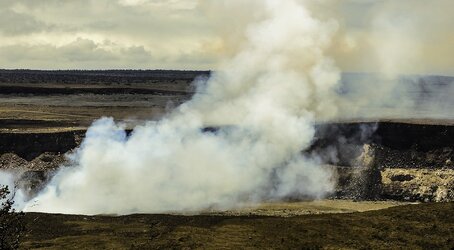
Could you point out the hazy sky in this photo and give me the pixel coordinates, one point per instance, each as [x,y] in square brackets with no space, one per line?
[405,36]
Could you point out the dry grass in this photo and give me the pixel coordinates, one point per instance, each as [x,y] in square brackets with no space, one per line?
[427,226]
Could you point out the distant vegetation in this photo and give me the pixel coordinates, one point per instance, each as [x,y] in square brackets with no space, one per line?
[96,76]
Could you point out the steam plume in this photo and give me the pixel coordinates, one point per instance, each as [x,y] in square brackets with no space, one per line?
[264,100]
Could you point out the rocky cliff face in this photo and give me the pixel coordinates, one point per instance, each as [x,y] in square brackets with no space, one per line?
[29,146]
[401,161]
[375,179]
[373,161]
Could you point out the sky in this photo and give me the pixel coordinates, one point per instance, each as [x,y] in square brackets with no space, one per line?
[394,37]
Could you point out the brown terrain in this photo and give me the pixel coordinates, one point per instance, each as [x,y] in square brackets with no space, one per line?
[384,168]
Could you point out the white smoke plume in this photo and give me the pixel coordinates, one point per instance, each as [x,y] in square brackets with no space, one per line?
[404,46]
[264,100]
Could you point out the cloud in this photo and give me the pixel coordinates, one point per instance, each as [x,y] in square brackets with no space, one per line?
[173,4]
[196,33]
[81,51]
[145,34]
[16,23]
[132,2]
